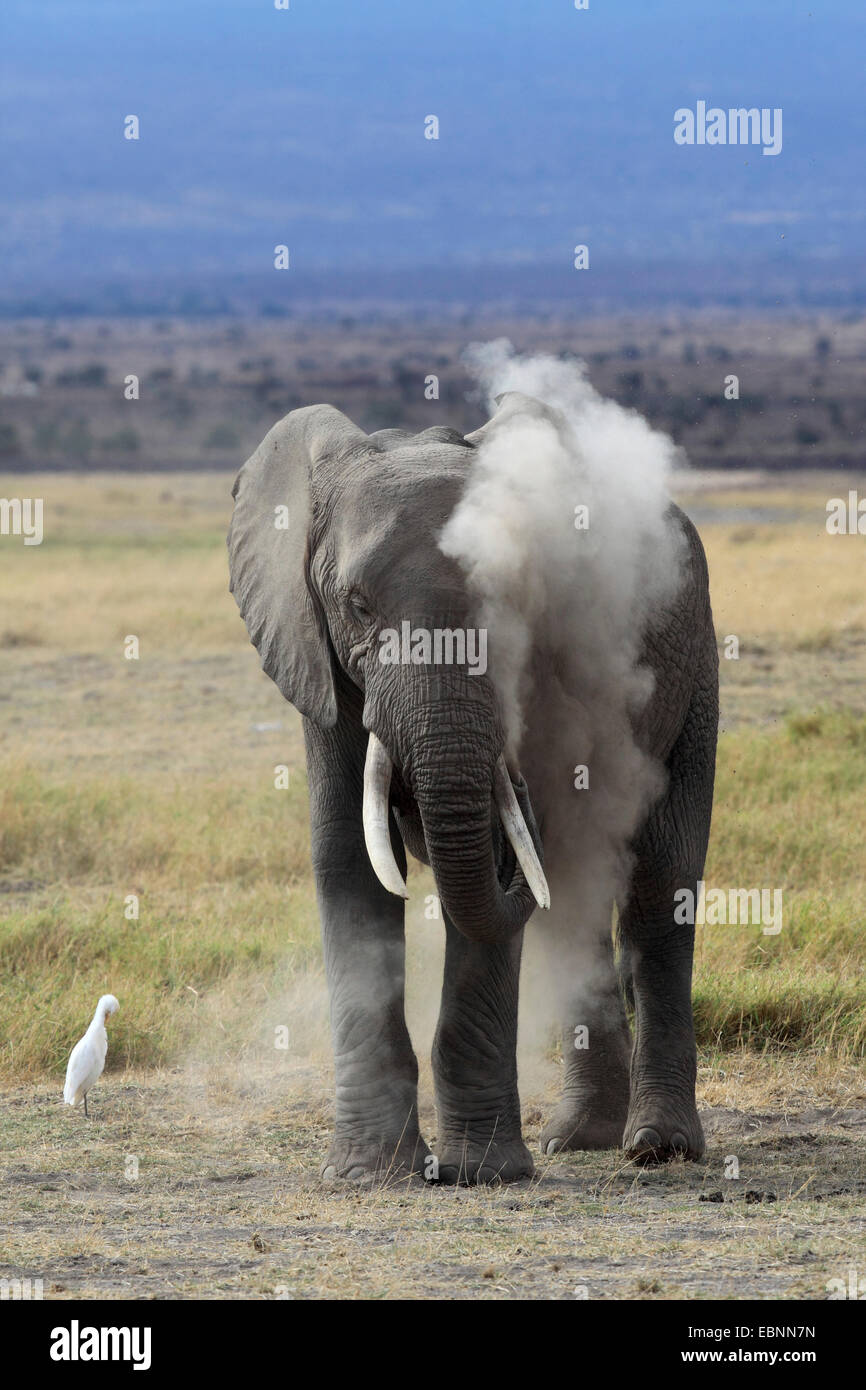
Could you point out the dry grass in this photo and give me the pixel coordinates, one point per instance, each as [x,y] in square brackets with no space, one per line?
[226,1202]
[156,778]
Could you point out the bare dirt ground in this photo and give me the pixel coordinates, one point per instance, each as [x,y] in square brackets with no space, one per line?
[202,1184]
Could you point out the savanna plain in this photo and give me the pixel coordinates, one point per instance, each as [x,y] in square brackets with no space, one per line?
[149,786]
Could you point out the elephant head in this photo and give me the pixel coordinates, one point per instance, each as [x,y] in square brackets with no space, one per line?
[333,552]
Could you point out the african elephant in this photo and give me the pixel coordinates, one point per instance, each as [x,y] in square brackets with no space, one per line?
[408,755]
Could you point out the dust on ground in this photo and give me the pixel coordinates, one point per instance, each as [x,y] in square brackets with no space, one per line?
[202,1183]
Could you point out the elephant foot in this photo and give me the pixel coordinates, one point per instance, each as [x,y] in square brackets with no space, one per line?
[582,1125]
[660,1130]
[594,1107]
[369,1163]
[499,1160]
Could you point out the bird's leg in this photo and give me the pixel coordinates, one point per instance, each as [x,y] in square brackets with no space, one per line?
[85,1102]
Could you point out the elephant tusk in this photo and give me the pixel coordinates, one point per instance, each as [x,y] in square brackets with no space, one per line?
[377,835]
[519,838]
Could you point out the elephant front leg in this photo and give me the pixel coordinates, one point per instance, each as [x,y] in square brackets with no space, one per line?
[376,1136]
[475,1064]
[596,1054]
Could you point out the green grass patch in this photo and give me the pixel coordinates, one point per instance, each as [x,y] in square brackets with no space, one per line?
[227,930]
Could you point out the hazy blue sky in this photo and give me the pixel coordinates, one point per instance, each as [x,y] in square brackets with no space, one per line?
[307,127]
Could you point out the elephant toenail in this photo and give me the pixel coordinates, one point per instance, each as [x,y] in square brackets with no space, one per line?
[356,1172]
[552,1146]
[489,1176]
[679,1143]
[329,1172]
[646,1139]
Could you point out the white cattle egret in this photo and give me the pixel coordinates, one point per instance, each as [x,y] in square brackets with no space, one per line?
[88,1056]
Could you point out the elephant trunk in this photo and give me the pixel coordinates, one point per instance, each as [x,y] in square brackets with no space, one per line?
[456,806]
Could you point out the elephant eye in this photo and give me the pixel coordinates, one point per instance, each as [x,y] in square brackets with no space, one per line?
[360,608]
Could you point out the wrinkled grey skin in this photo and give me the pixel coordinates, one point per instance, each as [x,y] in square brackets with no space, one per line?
[360,554]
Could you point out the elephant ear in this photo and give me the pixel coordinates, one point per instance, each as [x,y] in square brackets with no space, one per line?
[511,405]
[268,543]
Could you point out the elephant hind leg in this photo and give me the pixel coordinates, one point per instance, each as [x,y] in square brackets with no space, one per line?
[596,1050]
[663,1120]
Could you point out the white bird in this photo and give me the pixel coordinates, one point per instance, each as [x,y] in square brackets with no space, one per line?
[88,1056]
